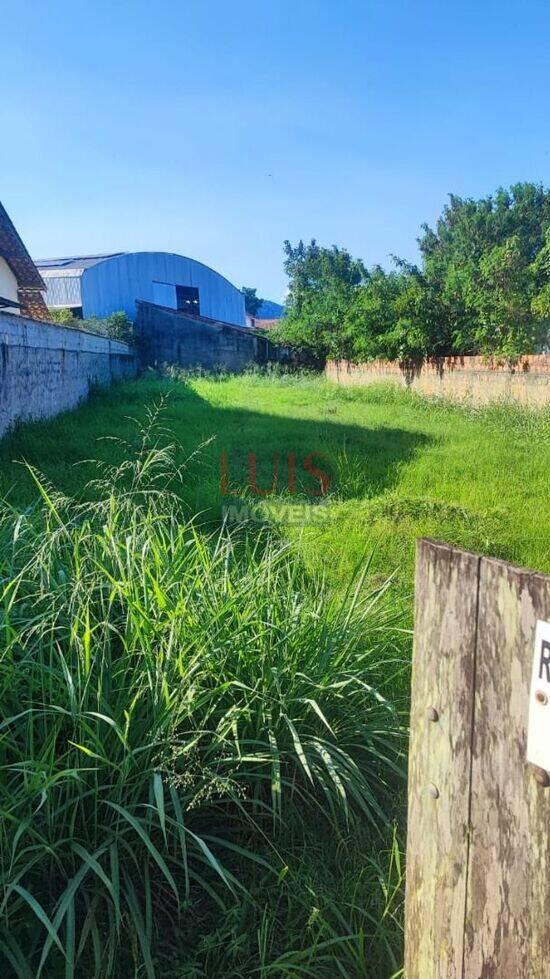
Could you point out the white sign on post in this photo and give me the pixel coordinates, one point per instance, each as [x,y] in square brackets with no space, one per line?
[538,730]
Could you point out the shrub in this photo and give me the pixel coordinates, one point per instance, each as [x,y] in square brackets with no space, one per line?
[117,326]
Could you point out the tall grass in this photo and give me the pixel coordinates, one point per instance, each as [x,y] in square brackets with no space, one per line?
[182,716]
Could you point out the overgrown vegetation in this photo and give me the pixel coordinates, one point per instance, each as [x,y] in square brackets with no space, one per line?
[202,728]
[483,287]
[117,326]
[186,718]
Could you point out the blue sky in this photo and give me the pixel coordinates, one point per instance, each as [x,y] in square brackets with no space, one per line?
[218,129]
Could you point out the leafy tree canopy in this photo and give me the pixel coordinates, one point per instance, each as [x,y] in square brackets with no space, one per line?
[322,285]
[252,301]
[483,287]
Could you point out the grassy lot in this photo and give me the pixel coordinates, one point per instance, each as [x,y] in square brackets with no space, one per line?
[187,714]
[400,466]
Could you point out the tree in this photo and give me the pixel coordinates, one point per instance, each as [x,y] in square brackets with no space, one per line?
[483,287]
[479,262]
[501,296]
[252,301]
[540,304]
[322,283]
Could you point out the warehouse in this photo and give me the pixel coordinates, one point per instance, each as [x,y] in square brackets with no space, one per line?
[98,285]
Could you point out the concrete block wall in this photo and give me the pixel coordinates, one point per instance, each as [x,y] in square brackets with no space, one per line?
[46,368]
[169,337]
[475,379]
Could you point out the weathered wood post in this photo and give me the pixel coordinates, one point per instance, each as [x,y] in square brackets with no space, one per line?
[478,872]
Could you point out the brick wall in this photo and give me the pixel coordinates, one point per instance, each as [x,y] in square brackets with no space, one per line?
[476,379]
[32,304]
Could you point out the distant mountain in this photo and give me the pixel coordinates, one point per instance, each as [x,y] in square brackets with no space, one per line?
[270,311]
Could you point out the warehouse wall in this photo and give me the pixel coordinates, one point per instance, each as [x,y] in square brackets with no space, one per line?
[63,288]
[45,369]
[118,282]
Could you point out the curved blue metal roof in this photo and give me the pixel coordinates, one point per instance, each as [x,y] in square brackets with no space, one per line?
[75,262]
[81,262]
[103,284]
[114,282]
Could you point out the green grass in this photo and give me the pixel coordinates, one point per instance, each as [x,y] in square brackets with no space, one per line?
[401,466]
[202,729]
[189,721]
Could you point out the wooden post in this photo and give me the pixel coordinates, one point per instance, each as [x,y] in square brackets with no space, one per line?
[478,879]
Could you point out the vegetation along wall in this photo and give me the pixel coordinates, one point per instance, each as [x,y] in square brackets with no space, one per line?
[46,368]
[477,379]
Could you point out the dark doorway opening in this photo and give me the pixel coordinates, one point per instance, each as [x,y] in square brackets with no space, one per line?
[187,299]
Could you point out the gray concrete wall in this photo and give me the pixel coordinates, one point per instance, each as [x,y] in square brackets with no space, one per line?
[473,379]
[45,368]
[169,337]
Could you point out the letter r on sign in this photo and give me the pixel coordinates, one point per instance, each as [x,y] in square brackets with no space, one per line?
[544,663]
